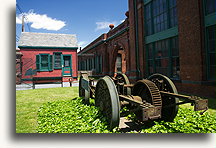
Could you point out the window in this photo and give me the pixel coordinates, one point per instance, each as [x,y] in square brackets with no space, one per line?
[90,64]
[163,57]
[175,70]
[211,51]
[150,51]
[160,15]
[44,62]
[99,64]
[210,37]
[57,60]
[83,65]
[119,63]
[148,18]
[210,6]
[173,13]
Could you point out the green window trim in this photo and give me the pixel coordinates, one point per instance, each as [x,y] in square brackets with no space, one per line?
[146,1]
[172,32]
[210,19]
[44,59]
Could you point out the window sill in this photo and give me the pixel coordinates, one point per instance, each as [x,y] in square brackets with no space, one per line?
[56,68]
[44,70]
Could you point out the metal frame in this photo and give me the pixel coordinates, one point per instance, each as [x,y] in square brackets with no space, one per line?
[149,108]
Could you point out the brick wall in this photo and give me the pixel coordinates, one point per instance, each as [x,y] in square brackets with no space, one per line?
[191,47]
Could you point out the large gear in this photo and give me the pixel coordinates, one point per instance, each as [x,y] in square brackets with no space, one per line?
[163,83]
[148,91]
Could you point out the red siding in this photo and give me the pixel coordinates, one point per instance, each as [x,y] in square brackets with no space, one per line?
[29,62]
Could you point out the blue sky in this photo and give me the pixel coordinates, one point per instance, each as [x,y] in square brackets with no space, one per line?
[88,19]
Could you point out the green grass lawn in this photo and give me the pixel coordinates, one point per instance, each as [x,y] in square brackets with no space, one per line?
[28,103]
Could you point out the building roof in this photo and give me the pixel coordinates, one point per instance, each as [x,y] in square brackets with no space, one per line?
[30,39]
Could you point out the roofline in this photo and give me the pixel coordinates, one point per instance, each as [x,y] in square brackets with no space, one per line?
[103,41]
[50,33]
[46,47]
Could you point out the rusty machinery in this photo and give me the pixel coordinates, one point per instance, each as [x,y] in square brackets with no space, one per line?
[153,98]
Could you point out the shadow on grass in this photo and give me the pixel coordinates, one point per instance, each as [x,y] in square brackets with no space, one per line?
[212,103]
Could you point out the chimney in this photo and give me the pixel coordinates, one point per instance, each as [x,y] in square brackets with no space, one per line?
[23,25]
[127,14]
[111,26]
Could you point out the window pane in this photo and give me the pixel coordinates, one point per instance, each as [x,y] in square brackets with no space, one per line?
[148,24]
[119,61]
[211,50]
[174,44]
[44,62]
[57,63]
[211,31]
[67,61]
[44,58]
[175,67]
[161,59]
[212,59]
[160,15]
[212,45]
[150,51]
[151,67]
[212,74]
[210,6]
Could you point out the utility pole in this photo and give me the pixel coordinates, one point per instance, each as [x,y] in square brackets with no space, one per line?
[23,25]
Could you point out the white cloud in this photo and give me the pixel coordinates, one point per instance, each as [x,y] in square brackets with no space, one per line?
[41,21]
[104,25]
[82,44]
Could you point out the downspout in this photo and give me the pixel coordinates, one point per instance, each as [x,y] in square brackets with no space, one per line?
[136,41]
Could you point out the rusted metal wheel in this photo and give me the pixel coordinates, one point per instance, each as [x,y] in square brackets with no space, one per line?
[84,89]
[107,99]
[149,92]
[122,78]
[165,84]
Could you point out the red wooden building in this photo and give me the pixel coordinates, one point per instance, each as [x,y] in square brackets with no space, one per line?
[47,55]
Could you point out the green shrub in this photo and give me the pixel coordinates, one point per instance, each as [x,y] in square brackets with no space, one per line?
[70,117]
[75,117]
[186,121]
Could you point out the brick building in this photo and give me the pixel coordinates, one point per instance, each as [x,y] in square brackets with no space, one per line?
[47,55]
[172,37]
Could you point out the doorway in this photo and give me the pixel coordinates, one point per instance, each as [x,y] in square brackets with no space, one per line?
[67,65]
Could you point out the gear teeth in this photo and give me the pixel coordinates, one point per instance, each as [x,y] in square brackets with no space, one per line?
[155,93]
